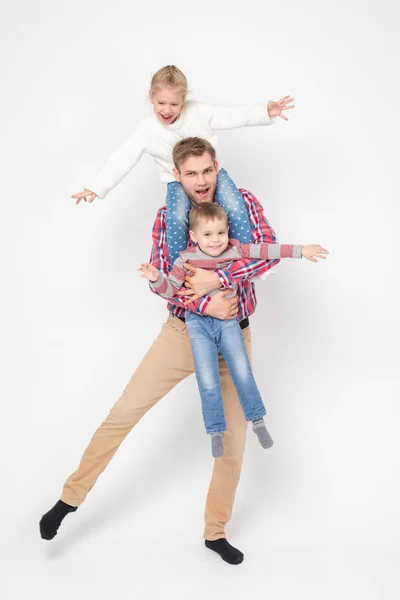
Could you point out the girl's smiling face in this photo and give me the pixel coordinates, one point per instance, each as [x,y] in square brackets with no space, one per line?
[167,104]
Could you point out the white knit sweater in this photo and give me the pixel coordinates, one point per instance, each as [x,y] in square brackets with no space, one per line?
[152,137]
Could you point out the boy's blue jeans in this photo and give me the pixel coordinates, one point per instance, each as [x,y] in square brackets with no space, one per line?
[207,336]
[179,205]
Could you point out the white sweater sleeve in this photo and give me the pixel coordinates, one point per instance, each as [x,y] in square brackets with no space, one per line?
[121,161]
[231,117]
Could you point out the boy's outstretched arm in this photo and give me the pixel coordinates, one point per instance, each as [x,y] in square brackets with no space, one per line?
[271,251]
[165,286]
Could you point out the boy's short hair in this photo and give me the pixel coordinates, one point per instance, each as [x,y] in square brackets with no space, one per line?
[207,211]
[192,146]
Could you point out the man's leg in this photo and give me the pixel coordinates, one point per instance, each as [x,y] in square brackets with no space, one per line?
[168,362]
[226,473]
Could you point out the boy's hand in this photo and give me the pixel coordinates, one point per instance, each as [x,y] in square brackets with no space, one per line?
[313,252]
[201,283]
[149,272]
[85,195]
[275,108]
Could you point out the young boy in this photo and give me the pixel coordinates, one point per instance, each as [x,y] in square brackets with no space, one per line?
[208,224]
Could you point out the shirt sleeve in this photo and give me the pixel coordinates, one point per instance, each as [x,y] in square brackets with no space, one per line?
[232,117]
[121,161]
[159,257]
[270,251]
[262,233]
[167,287]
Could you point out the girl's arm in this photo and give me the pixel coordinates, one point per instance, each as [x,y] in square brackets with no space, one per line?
[249,115]
[121,161]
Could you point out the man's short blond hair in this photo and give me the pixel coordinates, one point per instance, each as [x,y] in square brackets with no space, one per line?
[192,146]
[207,211]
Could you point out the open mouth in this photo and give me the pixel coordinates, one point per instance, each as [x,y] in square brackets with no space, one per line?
[166,119]
[203,193]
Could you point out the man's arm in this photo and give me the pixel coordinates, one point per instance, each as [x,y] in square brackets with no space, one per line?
[160,259]
[262,233]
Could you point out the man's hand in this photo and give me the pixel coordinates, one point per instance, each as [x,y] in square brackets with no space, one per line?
[201,283]
[149,272]
[85,195]
[313,252]
[275,108]
[222,307]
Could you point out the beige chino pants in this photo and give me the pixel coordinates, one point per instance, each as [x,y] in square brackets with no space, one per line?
[168,362]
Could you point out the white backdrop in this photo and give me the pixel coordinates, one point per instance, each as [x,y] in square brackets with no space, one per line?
[317,515]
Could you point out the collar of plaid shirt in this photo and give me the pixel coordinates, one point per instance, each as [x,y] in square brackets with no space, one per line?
[240,272]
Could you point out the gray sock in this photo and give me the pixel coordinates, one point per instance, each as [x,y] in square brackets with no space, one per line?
[217,444]
[261,432]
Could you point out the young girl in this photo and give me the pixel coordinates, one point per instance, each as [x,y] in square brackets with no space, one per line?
[173,119]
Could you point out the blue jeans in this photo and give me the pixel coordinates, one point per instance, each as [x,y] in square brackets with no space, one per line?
[179,205]
[207,336]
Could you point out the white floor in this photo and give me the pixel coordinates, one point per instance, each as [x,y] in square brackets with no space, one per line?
[140,537]
[133,559]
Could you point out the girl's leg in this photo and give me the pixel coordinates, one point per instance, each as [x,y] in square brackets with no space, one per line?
[178,207]
[229,197]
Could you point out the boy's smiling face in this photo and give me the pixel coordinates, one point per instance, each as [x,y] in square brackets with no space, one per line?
[212,236]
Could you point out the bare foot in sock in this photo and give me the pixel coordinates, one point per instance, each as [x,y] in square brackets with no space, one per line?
[261,432]
[51,521]
[217,444]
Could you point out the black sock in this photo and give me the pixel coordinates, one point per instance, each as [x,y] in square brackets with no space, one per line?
[228,553]
[51,521]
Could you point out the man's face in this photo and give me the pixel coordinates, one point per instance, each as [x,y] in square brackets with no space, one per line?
[211,236]
[198,176]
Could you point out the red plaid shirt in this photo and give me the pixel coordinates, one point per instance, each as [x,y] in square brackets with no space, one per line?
[236,275]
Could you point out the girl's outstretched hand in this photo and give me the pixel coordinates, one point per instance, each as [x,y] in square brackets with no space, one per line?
[85,195]
[275,108]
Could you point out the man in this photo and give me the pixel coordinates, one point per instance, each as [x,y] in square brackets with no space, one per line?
[170,360]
